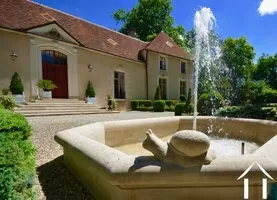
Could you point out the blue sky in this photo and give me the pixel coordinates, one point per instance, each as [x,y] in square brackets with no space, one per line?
[234,17]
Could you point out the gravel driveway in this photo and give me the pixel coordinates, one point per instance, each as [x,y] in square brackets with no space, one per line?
[54,182]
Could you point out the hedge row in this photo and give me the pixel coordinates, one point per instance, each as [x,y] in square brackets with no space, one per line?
[141,104]
[248,111]
[17,157]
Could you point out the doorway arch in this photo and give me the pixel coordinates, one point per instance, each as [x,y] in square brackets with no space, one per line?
[54,67]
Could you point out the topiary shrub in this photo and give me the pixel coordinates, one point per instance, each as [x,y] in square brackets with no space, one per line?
[170,103]
[134,104]
[8,102]
[159,106]
[17,159]
[16,86]
[170,108]
[183,98]
[209,103]
[90,90]
[158,95]
[189,95]
[5,91]
[145,103]
[189,108]
[179,109]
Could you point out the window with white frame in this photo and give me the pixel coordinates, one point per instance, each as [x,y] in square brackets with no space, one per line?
[162,84]
[162,63]
[183,88]
[183,68]
[119,85]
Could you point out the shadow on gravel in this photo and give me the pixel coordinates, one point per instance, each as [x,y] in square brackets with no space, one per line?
[57,183]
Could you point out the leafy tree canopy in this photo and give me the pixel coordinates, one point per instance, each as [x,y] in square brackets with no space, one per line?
[238,57]
[149,18]
[267,70]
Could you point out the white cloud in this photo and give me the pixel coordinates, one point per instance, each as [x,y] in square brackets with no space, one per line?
[268,7]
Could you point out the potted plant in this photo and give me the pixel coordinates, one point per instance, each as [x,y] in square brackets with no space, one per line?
[47,86]
[90,94]
[110,101]
[17,89]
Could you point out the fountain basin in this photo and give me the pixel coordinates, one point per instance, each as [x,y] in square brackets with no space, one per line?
[91,154]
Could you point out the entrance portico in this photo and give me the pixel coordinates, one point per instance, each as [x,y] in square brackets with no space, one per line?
[62,71]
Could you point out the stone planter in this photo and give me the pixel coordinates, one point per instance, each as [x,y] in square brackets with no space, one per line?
[91,100]
[19,98]
[109,104]
[47,94]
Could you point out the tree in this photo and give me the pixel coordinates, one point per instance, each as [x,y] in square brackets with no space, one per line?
[158,95]
[16,86]
[238,56]
[267,70]
[149,18]
[90,90]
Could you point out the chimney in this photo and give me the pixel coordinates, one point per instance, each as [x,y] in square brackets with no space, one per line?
[132,32]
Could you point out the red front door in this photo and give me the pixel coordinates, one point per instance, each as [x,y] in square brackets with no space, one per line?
[58,74]
[54,67]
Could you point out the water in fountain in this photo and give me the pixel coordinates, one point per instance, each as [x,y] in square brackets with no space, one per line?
[206,52]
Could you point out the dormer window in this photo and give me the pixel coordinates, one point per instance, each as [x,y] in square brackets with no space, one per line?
[162,63]
[112,41]
[183,68]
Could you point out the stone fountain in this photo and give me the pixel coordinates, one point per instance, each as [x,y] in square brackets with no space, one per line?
[98,156]
[116,161]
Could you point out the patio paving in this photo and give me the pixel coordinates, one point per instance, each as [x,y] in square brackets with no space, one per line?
[54,182]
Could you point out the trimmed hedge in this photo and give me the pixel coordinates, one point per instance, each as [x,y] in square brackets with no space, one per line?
[183,98]
[145,103]
[170,102]
[134,104]
[145,108]
[159,106]
[17,159]
[1,106]
[248,111]
[179,109]
[209,102]
[170,108]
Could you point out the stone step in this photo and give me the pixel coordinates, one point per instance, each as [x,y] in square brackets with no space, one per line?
[68,113]
[72,107]
[56,101]
[57,105]
[59,110]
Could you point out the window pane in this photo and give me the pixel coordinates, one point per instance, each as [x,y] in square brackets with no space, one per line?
[162,63]
[119,85]
[183,88]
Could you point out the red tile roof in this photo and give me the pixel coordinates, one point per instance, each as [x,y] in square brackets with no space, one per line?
[165,45]
[22,15]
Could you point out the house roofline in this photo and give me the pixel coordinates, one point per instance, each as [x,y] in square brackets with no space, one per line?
[48,23]
[87,21]
[79,46]
[168,55]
